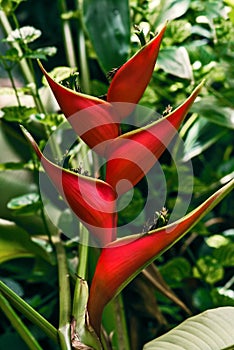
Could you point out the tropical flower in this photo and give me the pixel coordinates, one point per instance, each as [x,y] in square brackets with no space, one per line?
[100,122]
[129,157]
[122,260]
[92,200]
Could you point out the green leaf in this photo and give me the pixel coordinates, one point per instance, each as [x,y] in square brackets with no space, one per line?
[175,61]
[25,35]
[13,166]
[211,109]
[16,243]
[170,9]
[200,136]
[108,25]
[210,330]
[208,269]
[26,204]
[17,114]
[176,270]
[11,54]
[41,53]
[59,74]
[225,255]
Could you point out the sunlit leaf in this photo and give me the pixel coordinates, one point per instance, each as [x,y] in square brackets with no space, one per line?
[211,330]
[17,114]
[42,53]
[200,136]
[175,61]
[25,205]
[211,109]
[208,269]
[170,9]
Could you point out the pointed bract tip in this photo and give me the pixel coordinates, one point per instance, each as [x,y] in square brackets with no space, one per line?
[31,140]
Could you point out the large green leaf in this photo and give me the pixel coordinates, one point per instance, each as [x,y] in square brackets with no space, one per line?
[170,9]
[175,60]
[108,26]
[16,243]
[210,108]
[210,330]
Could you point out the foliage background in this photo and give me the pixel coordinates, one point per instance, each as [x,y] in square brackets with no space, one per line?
[198,44]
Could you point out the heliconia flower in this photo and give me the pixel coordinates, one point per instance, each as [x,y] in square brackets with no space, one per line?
[100,121]
[131,155]
[131,80]
[123,259]
[96,124]
[92,200]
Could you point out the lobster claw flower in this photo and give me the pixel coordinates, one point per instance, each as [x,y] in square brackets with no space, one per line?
[131,80]
[100,121]
[92,200]
[123,259]
[93,119]
[131,155]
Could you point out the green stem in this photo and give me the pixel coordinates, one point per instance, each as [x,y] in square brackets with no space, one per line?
[115,310]
[19,326]
[64,296]
[67,35]
[13,85]
[23,63]
[30,313]
[81,270]
[84,68]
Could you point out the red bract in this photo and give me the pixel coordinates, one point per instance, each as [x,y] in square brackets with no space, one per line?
[92,200]
[131,80]
[97,123]
[132,155]
[122,260]
[100,121]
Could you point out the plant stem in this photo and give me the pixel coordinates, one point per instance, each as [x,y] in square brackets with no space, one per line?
[64,296]
[120,322]
[67,35]
[19,326]
[23,63]
[13,85]
[84,69]
[29,312]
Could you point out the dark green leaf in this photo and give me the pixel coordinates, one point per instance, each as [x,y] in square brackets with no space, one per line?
[108,26]
[176,270]
[225,255]
[13,166]
[16,243]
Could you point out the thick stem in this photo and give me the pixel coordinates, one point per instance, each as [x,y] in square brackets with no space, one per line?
[19,326]
[30,313]
[67,35]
